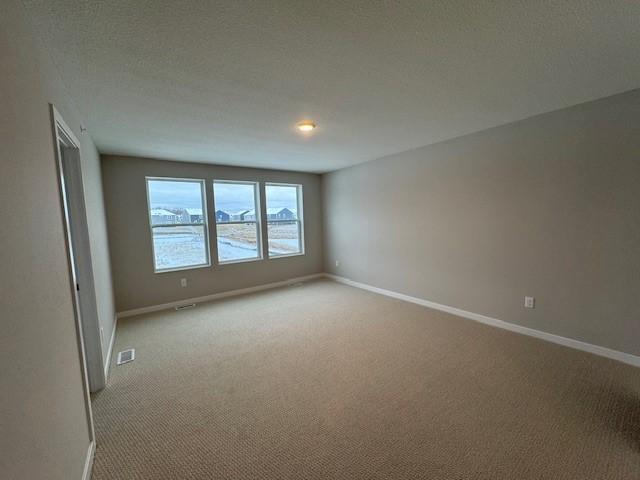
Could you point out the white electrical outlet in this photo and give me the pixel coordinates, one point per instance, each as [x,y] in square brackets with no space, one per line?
[529,302]
[337,263]
[183,282]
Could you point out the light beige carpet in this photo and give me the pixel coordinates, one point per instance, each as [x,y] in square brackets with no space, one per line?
[325,381]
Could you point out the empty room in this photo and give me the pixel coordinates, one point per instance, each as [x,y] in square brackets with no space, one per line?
[320,240]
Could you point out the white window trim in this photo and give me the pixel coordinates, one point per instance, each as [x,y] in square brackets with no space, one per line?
[205,224]
[300,219]
[257,221]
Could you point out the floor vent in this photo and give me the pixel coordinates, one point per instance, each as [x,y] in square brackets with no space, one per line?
[126,356]
[184,307]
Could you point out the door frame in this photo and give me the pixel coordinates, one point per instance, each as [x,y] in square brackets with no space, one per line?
[62,134]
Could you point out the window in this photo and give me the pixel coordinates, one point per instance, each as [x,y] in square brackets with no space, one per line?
[237,221]
[284,219]
[178,220]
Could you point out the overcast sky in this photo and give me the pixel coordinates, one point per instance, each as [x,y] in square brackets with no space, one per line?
[228,196]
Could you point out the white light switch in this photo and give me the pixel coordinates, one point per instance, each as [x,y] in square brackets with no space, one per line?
[529,302]
[183,282]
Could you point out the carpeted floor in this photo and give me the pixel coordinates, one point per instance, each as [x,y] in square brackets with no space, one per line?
[325,381]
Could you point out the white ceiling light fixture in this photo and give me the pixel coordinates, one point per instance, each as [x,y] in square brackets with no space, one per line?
[306,126]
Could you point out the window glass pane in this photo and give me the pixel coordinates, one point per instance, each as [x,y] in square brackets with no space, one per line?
[237,241]
[235,202]
[282,202]
[174,202]
[173,205]
[179,246]
[237,216]
[283,238]
[283,219]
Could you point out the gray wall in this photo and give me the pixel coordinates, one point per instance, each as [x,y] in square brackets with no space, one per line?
[549,207]
[99,244]
[136,285]
[42,411]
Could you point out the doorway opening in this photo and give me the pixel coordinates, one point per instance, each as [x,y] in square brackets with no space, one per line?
[67,149]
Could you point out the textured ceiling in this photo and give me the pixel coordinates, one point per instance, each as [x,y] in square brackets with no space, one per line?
[225,81]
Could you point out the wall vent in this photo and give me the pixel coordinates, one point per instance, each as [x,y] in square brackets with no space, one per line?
[126,356]
[184,307]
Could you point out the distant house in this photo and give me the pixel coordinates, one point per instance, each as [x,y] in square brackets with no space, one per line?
[160,216]
[240,216]
[249,215]
[193,215]
[222,216]
[280,214]
[275,213]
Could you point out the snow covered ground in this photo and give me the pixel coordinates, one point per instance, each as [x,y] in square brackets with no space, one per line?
[182,249]
[179,250]
[229,249]
[283,246]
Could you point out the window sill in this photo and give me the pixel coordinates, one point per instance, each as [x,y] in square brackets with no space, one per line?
[243,260]
[286,255]
[179,269]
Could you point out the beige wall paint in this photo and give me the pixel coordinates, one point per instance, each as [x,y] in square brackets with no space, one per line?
[136,285]
[43,418]
[548,207]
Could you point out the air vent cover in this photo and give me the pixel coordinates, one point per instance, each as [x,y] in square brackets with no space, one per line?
[126,356]
[182,307]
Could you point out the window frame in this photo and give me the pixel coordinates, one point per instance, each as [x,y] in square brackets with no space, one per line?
[257,221]
[205,224]
[299,219]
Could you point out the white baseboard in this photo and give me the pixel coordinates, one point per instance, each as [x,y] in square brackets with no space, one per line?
[567,342]
[216,296]
[88,463]
[112,341]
